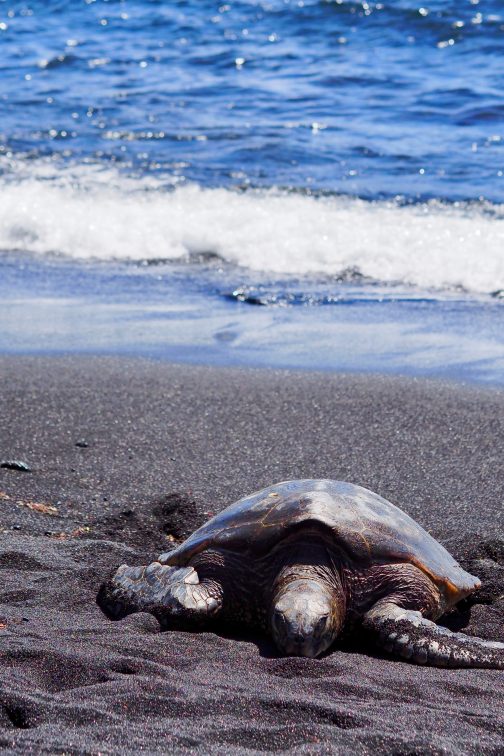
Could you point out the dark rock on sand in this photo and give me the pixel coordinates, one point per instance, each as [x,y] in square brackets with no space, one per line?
[15,464]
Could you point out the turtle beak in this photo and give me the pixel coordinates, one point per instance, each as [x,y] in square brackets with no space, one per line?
[302,647]
[297,638]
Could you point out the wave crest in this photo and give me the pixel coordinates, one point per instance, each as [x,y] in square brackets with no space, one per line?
[94,213]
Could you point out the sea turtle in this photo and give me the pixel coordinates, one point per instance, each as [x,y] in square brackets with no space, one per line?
[309,560]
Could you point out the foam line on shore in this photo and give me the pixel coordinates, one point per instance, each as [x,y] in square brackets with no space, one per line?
[91,212]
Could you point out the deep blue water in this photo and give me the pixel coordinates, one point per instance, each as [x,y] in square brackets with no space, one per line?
[302,183]
[374,99]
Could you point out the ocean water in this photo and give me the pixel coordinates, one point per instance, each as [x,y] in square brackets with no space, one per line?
[298,183]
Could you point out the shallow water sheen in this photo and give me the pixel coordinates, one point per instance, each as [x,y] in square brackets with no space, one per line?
[205,313]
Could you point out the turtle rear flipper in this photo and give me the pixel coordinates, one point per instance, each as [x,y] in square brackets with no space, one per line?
[406,633]
[174,595]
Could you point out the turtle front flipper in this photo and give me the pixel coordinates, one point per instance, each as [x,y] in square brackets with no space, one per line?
[406,633]
[174,595]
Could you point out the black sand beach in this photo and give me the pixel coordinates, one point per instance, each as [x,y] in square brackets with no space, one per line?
[128,456]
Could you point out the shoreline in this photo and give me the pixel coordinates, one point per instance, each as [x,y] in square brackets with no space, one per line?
[219,314]
[133,454]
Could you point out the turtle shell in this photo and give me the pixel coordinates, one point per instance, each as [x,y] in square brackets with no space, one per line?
[365,527]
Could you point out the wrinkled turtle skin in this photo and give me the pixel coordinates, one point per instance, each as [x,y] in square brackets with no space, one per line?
[308,561]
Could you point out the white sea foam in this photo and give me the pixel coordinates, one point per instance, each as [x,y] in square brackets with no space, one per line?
[89,212]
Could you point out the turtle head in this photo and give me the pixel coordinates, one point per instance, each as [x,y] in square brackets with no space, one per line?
[306,616]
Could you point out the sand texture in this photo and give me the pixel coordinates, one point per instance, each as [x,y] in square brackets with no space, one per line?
[128,457]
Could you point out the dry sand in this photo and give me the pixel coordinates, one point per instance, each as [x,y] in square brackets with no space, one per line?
[161,448]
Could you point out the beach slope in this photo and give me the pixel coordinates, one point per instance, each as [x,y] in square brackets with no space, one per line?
[128,457]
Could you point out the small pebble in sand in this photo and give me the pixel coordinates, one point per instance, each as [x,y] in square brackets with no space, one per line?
[15,464]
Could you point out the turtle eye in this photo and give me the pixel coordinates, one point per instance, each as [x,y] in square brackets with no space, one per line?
[321,624]
[278,617]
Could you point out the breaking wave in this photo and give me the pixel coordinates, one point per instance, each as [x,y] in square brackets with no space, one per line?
[92,212]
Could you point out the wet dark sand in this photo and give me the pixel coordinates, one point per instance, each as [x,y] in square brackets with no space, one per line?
[162,447]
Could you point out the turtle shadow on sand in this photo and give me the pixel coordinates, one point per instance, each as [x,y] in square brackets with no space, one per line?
[460,619]
[265,645]
[229,631]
